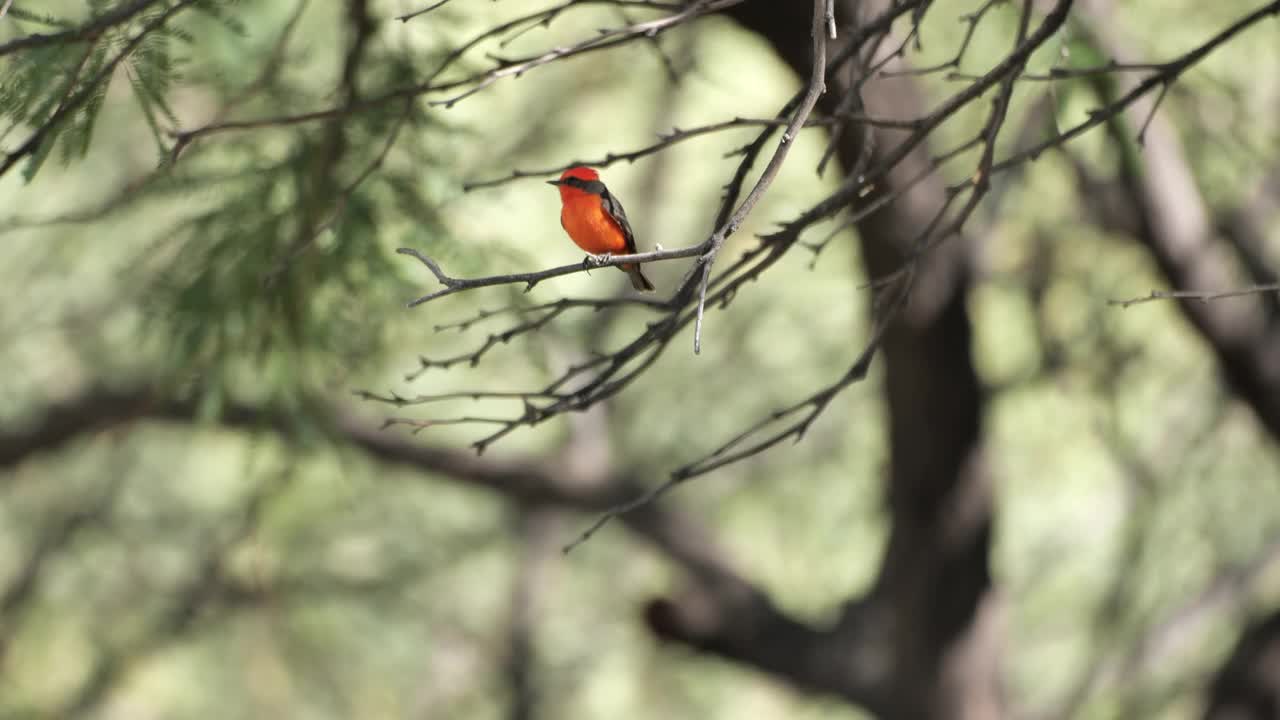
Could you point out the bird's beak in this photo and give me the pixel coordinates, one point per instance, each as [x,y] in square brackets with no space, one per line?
[555,182]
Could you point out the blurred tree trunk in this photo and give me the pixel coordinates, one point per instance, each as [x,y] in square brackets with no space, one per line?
[1248,686]
[931,622]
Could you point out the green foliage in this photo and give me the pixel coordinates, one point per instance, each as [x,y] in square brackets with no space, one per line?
[275,277]
[49,20]
[152,73]
[253,277]
[57,89]
[225,13]
[285,238]
[41,82]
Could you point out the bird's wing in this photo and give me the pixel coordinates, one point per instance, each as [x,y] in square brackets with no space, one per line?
[614,208]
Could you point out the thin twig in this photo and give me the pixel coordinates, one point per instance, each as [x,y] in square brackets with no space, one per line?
[409,16]
[972,20]
[817,86]
[607,38]
[1142,131]
[1061,73]
[1201,295]
[879,25]
[665,140]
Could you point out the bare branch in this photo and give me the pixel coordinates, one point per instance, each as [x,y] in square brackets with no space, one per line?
[676,135]
[409,16]
[1201,295]
[1062,73]
[608,38]
[971,21]
[817,86]
[530,279]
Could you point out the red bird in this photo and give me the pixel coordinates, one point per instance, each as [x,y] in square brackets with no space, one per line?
[596,221]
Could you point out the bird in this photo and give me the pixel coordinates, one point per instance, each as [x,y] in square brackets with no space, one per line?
[595,220]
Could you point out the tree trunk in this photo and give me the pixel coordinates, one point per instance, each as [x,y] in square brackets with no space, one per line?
[932,622]
[1248,686]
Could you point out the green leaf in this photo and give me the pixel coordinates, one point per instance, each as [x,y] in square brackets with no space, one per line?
[39,156]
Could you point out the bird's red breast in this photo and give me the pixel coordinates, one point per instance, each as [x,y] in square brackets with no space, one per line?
[589,226]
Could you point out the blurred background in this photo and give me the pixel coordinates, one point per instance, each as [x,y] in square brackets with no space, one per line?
[202,513]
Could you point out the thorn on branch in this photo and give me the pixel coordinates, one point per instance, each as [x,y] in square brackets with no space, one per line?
[1142,132]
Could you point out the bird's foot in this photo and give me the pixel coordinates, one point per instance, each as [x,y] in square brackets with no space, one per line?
[595,261]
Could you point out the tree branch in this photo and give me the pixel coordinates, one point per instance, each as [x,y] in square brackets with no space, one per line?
[530,279]
[89,30]
[1201,295]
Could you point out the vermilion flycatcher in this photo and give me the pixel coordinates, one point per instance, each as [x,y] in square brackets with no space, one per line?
[596,221]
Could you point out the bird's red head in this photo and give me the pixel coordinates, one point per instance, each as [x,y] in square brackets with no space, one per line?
[580,172]
[571,180]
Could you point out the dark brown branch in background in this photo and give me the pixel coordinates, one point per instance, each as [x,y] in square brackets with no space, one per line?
[533,482]
[722,595]
[526,479]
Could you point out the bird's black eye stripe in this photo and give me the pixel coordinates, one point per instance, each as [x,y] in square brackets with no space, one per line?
[594,187]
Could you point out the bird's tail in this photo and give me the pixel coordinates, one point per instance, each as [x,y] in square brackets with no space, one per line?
[638,280]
